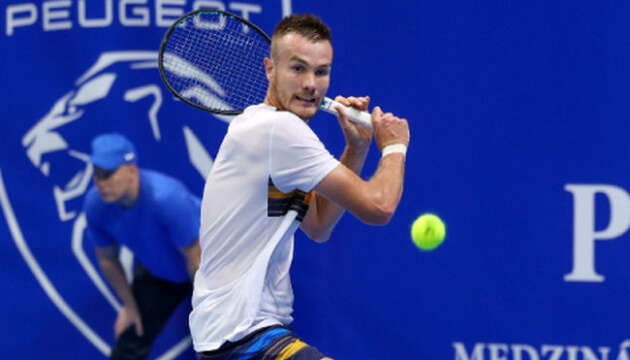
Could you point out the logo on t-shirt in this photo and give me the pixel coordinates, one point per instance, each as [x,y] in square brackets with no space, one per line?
[278,203]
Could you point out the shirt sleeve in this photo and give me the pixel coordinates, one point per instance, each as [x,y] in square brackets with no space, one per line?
[297,158]
[181,216]
[98,237]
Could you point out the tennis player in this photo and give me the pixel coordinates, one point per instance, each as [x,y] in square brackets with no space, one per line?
[270,160]
[157,218]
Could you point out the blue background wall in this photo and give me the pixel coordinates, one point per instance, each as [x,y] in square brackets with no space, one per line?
[517,110]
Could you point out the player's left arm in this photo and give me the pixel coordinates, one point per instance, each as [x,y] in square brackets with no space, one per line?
[192,254]
[323,214]
[181,215]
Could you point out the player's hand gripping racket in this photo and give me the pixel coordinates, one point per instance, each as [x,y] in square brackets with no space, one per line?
[213,60]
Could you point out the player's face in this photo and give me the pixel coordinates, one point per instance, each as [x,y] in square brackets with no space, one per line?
[114,185]
[299,74]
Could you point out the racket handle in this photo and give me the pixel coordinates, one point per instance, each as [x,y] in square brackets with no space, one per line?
[360,117]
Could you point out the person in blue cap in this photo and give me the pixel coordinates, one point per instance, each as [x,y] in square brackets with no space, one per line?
[157,218]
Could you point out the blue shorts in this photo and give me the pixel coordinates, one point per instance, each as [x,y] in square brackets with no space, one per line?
[270,343]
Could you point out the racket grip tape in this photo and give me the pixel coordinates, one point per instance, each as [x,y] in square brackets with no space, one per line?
[360,117]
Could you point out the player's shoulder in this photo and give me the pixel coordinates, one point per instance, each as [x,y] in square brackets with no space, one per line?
[261,122]
[264,114]
[158,183]
[160,186]
[165,194]
[289,126]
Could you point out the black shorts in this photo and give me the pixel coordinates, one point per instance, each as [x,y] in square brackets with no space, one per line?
[271,343]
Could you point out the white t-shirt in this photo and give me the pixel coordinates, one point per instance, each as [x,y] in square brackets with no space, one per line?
[243,283]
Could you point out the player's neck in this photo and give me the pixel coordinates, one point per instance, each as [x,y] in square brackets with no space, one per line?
[270,99]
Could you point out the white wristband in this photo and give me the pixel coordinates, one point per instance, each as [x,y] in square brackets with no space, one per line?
[397,148]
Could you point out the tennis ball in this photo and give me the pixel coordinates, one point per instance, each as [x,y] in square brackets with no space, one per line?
[428,231]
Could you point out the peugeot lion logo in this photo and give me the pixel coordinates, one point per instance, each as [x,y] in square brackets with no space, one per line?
[46,146]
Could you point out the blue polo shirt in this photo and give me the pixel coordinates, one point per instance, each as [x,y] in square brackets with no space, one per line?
[164,218]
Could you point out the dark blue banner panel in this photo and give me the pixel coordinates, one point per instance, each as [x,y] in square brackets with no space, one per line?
[519,120]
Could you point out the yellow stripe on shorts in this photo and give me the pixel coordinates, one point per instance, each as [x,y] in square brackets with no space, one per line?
[291,349]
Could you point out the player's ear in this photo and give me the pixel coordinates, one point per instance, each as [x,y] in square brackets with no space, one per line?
[268,62]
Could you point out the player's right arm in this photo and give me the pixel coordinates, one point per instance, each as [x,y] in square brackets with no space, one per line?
[112,269]
[373,201]
[192,254]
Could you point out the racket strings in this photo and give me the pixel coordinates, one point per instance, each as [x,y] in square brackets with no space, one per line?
[217,65]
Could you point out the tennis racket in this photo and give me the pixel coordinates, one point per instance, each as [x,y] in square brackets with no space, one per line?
[213,60]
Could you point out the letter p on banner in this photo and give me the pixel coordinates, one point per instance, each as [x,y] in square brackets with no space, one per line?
[584,232]
[27,16]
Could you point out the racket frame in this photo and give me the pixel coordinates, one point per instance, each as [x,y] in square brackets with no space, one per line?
[167,35]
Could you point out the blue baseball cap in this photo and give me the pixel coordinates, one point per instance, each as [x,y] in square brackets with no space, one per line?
[110,151]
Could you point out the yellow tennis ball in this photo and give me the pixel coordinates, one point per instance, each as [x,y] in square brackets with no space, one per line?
[428,231]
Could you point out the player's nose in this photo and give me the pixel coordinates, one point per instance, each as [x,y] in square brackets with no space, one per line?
[308,81]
